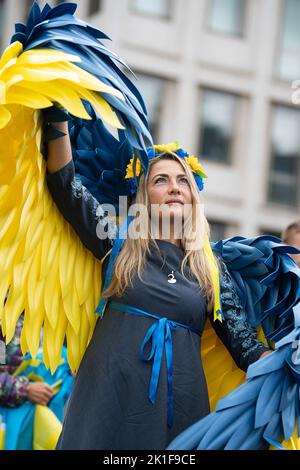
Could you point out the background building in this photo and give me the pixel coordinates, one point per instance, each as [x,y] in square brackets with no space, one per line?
[216,76]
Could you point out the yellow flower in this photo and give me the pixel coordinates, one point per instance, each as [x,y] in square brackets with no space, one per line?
[172,147]
[195,165]
[129,169]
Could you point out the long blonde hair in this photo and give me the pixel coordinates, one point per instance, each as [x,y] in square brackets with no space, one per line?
[132,257]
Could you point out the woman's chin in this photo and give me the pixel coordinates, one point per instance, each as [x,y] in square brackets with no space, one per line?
[176,209]
[175,206]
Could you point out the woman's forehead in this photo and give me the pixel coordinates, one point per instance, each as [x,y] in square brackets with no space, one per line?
[166,166]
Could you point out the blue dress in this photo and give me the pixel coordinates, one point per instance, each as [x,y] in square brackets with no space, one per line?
[109,407]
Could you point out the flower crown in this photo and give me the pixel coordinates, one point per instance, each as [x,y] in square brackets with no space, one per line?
[134,168]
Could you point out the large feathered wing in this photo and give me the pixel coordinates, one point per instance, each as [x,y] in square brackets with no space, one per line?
[49,274]
[264,408]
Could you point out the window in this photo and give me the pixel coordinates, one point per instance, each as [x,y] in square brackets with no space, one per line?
[227,16]
[217,231]
[288,66]
[285,168]
[217,125]
[160,8]
[152,89]
[94,6]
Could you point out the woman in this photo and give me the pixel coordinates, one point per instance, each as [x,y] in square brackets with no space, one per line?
[155,305]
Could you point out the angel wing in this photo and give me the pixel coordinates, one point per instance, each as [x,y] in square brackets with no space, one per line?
[48,272]
[264,409]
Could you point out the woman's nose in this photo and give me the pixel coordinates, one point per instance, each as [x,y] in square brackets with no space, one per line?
[174,187]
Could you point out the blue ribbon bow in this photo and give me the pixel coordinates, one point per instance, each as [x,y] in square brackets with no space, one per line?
[160,336]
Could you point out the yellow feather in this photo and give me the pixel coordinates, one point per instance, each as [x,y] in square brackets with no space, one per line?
[23,342]
[32,327]
[45,351]
[24,95]
[12,51]
[7,171]
[5,281]
[11,313]
[64,255]
[47,238]
[89,82]
[5,116]
[7,256]
[51,290]
[102,107]
[37,74]
[53,91]
[72,310]
[45,56]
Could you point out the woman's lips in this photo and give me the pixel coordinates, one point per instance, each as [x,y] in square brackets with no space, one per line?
[174,202]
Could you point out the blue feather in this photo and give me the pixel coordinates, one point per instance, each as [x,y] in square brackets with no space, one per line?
[227,422]
[269,398]
[274,429]
[190,438]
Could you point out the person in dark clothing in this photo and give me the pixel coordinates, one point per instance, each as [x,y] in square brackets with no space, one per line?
[17,389]
[141,380]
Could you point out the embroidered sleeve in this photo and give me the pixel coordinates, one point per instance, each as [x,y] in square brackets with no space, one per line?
[82,210]
[13,390]
[235,332]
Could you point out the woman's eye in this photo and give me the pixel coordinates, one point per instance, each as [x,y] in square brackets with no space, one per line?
[160,179]
[184,180]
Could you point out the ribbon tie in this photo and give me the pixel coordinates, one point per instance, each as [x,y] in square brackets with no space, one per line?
[160,336]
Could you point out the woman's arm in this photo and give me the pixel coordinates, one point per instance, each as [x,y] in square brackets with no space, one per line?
[74,201]
[239,337]
[59,150]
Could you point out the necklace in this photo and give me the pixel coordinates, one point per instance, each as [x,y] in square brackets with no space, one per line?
[171,277]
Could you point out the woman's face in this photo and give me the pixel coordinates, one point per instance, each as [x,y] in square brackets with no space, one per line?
[168,184]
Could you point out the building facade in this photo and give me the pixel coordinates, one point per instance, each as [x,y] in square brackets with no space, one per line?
[217,76]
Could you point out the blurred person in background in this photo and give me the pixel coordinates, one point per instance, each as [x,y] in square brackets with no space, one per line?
[291,236]
[16,390]
[32,400]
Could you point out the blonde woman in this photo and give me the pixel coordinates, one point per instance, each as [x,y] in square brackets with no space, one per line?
[141,380]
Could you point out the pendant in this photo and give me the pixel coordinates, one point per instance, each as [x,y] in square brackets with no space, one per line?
[171,278]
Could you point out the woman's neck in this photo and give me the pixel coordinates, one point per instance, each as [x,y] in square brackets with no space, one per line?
[175,241]
[169,234]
